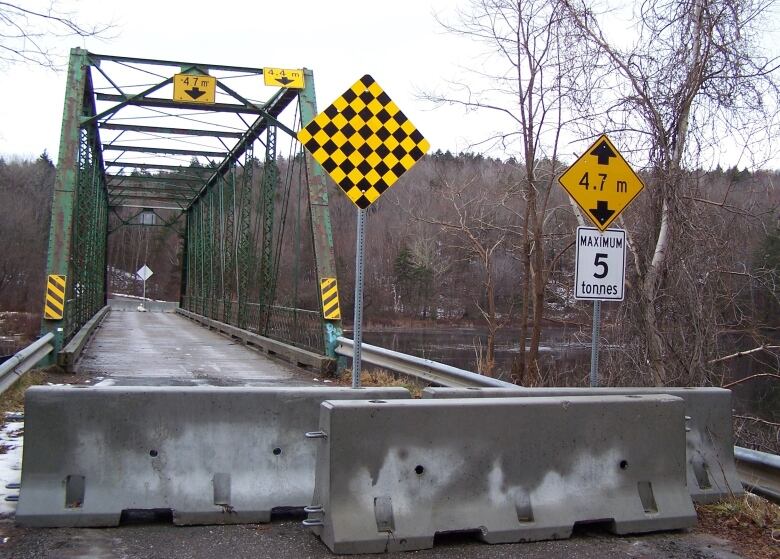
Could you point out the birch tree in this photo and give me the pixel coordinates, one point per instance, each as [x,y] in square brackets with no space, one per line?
[692,74]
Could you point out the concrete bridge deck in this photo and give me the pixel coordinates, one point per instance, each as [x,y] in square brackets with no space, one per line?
[165,349]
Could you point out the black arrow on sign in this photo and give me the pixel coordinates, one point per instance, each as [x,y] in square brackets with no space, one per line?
[603,152]
[284,80]
[194,92]
[601,212]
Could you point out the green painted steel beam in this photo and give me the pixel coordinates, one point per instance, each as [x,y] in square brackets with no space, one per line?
[124,101]
[163,151]
[159,196]
[166,130]
[169,178]
[320,213]
[267,268]
[273,108]
[159,166]
[153,62]
[65,183]
[162,103]
[178,193]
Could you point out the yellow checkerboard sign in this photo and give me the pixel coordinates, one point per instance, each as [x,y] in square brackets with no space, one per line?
[364,141]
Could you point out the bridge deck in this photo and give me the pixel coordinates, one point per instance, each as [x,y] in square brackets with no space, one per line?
[162,348]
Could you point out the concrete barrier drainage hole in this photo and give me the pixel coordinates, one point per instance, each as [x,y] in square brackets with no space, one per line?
[419,470]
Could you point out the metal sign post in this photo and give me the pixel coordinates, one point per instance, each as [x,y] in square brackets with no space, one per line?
[603,184]
[365,143]
[594,348]
[599,275]
[359,270]
[144,273]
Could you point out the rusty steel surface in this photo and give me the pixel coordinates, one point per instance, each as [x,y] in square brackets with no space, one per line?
[163,349]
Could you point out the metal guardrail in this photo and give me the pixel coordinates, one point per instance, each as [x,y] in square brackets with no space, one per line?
[759,471]
[431,371]
[24,360]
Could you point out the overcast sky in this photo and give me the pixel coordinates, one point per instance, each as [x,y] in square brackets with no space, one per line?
[400,43]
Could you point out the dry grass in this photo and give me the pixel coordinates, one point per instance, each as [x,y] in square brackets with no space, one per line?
[13,398]
[381,378]
[752,522]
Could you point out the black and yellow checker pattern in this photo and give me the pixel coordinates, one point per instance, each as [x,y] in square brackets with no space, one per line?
[330,299]
[55,298]
[364,141]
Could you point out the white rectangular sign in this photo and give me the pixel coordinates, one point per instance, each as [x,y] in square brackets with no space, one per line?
[601,264]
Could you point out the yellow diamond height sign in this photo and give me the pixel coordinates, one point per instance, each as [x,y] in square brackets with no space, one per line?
[364,142]
[192,88]
[601,182]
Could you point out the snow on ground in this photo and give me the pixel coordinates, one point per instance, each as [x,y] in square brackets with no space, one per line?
[137,297]
[11,443]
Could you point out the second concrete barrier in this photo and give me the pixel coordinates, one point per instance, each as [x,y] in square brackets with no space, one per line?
[712,473]
[392,474]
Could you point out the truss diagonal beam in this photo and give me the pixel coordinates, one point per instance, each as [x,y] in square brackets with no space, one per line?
[273,108]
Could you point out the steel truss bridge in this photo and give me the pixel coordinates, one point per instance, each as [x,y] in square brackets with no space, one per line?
[228,176]
[251,209]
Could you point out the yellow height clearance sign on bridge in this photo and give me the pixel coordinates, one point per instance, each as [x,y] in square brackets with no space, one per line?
[364,142]
[330,299]
[194,88]
[601,182]
[54,307]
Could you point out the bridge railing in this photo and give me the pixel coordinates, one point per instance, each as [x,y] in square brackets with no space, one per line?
[418,367]
[298,327]
[24,360]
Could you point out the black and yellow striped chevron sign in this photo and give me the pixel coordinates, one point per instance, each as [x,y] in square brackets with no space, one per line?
[55,297]
[330,299]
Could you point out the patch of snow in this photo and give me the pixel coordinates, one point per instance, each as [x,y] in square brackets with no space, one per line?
[12,439]
[107,382]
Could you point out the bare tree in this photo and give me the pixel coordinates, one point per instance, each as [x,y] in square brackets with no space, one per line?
[693,73]
[26,33]
[533,76]
[476,227]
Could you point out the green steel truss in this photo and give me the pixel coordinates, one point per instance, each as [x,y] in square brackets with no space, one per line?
[127,148]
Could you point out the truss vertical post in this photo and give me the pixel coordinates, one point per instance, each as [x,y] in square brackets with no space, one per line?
[64,198]
[320,213]
[270,184]
[229,196]
[208,270]
[185,262]
[244,252]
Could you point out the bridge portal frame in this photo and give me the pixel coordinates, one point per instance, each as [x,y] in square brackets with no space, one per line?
[85,194]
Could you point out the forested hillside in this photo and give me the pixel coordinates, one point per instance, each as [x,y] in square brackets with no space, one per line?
[446,244]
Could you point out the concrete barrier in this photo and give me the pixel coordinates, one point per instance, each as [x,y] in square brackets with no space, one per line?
[712,473]
[391,475]
[212,455]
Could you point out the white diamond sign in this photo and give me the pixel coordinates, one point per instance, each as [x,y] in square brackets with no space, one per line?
[144,273]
